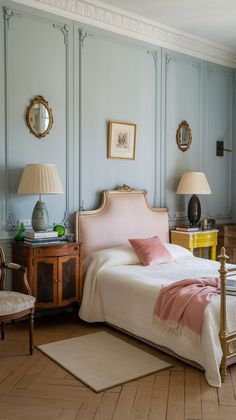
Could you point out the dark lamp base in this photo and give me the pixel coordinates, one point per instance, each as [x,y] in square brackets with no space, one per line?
[194,211]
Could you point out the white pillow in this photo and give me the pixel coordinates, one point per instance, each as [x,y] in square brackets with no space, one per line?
[178,251]
[123,255]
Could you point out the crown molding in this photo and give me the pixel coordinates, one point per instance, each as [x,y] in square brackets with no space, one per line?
[99,14]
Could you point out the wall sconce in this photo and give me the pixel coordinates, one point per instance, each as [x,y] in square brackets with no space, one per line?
[220,149]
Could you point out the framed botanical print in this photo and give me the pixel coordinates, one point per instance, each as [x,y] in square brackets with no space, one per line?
[122,140]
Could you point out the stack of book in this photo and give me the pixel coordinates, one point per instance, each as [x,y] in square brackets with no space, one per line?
[188,228]
[38,238]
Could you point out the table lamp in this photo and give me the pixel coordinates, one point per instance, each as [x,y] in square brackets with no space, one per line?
[38,179]
[193,183]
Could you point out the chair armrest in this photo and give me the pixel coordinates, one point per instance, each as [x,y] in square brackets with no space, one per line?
[13,266]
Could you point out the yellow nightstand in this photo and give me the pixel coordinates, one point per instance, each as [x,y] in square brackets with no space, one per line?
[193,240]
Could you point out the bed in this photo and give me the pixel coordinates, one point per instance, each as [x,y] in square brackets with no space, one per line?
[120,291]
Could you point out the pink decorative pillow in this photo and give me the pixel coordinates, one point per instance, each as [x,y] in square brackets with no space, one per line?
[151,251]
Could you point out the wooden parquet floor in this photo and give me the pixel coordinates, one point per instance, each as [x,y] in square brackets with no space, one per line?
[36,388]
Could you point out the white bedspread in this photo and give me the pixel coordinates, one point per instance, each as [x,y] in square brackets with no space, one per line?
[121,291]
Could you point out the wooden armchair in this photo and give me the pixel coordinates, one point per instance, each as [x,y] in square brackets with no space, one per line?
[14,305]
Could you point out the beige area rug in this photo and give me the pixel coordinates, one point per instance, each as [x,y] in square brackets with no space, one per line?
[101,360]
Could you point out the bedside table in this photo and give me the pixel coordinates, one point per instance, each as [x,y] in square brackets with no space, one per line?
[199,240]
[54,272]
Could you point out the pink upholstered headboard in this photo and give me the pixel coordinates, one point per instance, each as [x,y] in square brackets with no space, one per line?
[123,214]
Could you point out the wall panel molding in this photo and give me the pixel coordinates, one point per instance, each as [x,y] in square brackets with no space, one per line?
[186,96]
[219,165]
[156,55]
[64,29]
[104,16]
[10,15]
[116,96]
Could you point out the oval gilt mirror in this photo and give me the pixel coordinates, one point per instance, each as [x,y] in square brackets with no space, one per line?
[184,136]
[39,117]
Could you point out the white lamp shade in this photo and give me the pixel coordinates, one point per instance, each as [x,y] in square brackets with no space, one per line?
[193,183]
[38,179]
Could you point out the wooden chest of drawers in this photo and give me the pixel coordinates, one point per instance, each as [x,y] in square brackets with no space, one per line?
[227,239]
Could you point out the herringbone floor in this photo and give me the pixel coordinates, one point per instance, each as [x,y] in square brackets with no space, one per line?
[35,388]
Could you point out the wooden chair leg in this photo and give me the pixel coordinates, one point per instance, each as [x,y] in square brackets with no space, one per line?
[3,330]
[31,332]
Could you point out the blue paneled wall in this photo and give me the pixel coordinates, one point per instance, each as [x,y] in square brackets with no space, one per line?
[118,82]
[233,177]
[90,77]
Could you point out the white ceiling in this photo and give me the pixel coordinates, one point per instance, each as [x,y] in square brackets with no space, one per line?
[214,20]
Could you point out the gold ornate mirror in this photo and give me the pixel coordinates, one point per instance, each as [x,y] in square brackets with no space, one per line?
[184,136]
[39,117]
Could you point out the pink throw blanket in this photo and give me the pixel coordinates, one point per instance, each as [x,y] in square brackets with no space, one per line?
[183,303]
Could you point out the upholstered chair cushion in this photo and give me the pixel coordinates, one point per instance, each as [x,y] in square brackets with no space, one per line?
[14,302]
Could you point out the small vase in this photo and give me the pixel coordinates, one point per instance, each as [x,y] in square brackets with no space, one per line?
[19,236]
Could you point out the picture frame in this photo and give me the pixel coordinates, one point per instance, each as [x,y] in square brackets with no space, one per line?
[121,140]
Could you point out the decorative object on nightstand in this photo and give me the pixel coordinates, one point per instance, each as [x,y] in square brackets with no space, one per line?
[196,240]
[208,224]
[60,229]
[193,183]
[54,272]
[38,179]
[37,238]
[19,236]
[187,228]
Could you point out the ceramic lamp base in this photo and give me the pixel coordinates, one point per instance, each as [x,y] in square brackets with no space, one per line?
[40,217]
[194,210]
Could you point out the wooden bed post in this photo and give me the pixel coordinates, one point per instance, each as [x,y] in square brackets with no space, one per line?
[223,331]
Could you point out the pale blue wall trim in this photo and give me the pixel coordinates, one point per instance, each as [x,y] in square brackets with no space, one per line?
[75,107]
[165,59]
[2,127]
[186,99]
[218,169]
[156,59]
[98,53]
[6,113]
[63,29]
[9,15]
[159,162]
[233,173]
[156,55]
[82,38]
